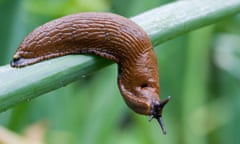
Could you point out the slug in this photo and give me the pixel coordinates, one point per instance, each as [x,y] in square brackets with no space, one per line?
[107,35]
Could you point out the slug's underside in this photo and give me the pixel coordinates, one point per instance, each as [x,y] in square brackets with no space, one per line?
[110,36]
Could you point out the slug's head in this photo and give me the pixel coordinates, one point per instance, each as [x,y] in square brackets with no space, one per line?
[20,61]
[31,51]
[26,54]
[156,112]
[36,47]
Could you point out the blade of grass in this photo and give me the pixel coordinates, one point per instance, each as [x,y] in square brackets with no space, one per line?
[195,84]
[227,54]
[161,24]
[8,15]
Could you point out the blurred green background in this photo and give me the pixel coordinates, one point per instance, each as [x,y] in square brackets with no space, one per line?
[200,70]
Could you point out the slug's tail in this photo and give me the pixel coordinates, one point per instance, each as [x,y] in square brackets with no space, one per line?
[157,113]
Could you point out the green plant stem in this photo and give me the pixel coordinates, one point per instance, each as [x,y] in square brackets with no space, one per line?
[162,24]
[169,21]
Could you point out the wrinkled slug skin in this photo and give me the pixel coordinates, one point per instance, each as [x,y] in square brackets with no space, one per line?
[108,35]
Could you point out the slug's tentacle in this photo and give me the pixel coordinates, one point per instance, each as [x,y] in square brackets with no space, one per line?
[157,113]
[110,36]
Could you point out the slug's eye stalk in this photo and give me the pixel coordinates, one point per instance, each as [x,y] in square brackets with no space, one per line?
[157,113]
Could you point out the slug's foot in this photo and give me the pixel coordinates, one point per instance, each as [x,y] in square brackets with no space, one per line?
[157,113]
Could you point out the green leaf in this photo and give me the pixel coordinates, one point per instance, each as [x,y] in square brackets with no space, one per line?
[162,24]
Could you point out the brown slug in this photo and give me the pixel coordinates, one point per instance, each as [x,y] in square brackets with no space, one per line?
[107,35]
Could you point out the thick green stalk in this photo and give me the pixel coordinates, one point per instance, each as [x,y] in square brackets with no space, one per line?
[161,24]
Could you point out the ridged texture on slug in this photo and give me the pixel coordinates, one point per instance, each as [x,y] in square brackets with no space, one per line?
[107,35]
